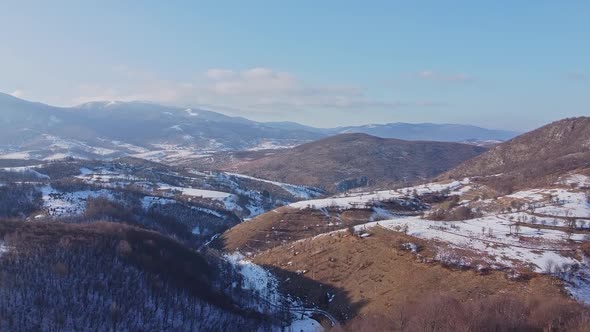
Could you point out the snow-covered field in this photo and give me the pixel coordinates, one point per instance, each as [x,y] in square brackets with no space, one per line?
[362,200]
[202,193]
[59,203]
[16,155]
[494,236]
[576,180]
[301,192]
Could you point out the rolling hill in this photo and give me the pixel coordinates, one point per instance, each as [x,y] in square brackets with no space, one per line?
[536,158]
[114,277]
[347,161]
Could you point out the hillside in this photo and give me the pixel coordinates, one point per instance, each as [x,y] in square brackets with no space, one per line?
[113,277]
[536,158]
[187,205]
[348,161]
[415,255]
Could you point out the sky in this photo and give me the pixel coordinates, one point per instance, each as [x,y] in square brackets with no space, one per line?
[500,64]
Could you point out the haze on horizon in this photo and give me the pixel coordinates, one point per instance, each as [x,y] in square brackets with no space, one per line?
[503,65]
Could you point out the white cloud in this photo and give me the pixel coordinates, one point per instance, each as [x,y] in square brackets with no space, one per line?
[219,74]
[251,90]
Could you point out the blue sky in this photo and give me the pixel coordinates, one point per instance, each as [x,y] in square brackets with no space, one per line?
[502,64]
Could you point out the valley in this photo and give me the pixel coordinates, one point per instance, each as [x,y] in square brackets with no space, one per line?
[294,166]
[346,232]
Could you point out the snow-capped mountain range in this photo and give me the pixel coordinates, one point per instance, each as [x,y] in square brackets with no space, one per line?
[104,130]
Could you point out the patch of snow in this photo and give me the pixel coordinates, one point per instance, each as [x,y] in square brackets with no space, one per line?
[148,201]
[26,170]
[17,155]
[58,156]
[219,195]
[85,171]
[530,195]
[305,324]
[3,249]
[367,199]
[567,204]
[60,204]
[260,280]
[475,235]
[190,112]
[577,180]
[295,190]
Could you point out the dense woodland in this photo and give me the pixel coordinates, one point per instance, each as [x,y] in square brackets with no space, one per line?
[108,277]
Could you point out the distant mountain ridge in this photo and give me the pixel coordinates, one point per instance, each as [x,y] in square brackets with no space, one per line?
[114,129]
[411,131]
[102,130]
[430,132]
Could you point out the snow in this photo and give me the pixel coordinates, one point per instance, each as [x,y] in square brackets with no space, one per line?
[3,249]
[71,203]
[170,154]
[295,190]
[530,195]
[17,155]
[273,145]
[579,283]
[219,195]
[190,112]
[258,279]
[577,180]
[475,235]
[348,202]
[571,204]
[58,156]
[127,146]
[85,171]
[25,170]
[148,201]
[304,324]
[365,200]
[105,177]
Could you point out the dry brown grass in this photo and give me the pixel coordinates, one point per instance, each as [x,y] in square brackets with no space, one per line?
[376,273]
[286,225]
